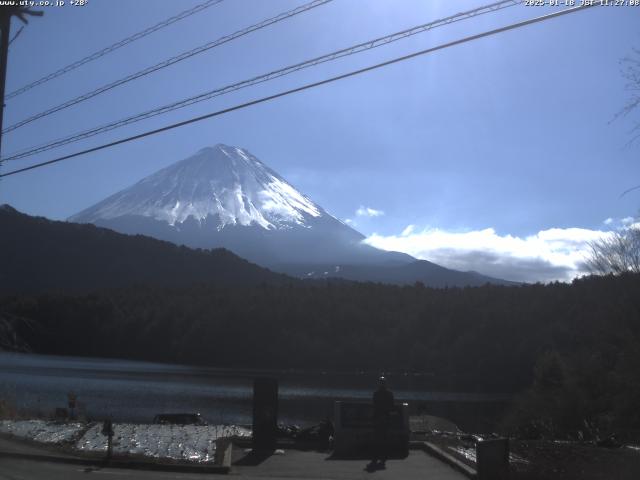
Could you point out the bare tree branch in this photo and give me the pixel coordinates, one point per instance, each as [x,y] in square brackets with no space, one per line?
[619,253]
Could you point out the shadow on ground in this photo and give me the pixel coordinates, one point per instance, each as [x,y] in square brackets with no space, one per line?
[254,458]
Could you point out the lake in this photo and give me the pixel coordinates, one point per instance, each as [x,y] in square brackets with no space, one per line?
[134,391]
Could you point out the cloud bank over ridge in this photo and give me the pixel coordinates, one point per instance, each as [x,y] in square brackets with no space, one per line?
[548,255]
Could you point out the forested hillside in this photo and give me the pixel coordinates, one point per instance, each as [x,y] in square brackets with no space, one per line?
[577,346]
[37,254]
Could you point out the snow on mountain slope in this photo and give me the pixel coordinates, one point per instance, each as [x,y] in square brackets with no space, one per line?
[225,197]
[227,182]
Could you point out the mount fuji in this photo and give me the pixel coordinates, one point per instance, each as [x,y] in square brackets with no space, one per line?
[224,196]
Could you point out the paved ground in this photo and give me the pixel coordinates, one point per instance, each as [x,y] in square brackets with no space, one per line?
[313,465]
[290,465]
[12,469]
[10,446]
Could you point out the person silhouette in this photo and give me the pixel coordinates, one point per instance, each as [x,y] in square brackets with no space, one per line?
[382,407]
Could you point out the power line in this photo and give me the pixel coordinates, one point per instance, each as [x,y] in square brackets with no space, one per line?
[308,86]
[115,46]
[170,61]
[629,190]
[266,77]
[7,12]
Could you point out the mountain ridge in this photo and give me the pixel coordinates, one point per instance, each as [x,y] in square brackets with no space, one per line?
[47,255]
[223,196]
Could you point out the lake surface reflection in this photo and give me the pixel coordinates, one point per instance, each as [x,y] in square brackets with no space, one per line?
[137,391]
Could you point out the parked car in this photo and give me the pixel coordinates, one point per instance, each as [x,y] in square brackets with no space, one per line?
[179,419]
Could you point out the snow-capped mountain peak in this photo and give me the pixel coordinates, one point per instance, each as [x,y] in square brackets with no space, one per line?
[225,182]
[224,197]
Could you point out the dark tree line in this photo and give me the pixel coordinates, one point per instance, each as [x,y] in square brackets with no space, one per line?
[574,349]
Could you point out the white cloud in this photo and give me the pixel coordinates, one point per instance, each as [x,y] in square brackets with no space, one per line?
[622,223]
[408,231]
[369,212]
[553,254]
[348,221]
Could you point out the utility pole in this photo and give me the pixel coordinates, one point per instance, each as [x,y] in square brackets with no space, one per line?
[6,13]
[5,25]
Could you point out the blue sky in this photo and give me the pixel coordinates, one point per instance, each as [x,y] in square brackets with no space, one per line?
[498,155]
